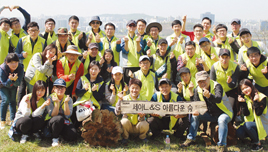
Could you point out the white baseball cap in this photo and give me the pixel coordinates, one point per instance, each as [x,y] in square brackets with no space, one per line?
[117,69]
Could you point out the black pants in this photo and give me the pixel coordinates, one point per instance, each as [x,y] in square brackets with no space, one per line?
[159,124]
[22,90]
[126,71]
[28,125]
[58,127]
[69,90]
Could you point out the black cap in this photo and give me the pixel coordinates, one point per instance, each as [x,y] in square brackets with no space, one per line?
[224,52]
[164,81]
[184,70]
[162,41]
[236,20]
[253,50]
[244,31]
[203,39]
[131,22]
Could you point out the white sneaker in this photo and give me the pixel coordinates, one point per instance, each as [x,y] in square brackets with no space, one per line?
[55,142]
[23,139]
[2,125]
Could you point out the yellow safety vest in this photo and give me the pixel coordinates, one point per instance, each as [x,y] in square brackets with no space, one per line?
[89,95]
[178,50]
[59,46]
[173,98]
[62,106]
[154,46]
[117,91]
[222,75]
[191,63]
[87,63]
[38,75]
[148,83]
[197,47]
[224,105]
[50,38]
[262,120]
[209,35]
[14,39]
[4,45]
[67,70]
[39,103]
[226,45]
[158,62]
[133,118]
[101,33]
[133,56]
[75,39]
[208,59]
[185,90]
[244,50]
[105,43]
[256,73]
[27,47]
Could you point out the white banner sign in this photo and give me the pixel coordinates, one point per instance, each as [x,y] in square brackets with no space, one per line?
[163,108]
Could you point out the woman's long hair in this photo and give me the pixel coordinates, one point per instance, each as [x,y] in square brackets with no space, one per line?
[247,82]
[113,82]
[44,58]
[113,63]
[37,86]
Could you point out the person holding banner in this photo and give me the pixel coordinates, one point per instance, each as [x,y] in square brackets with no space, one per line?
[133,123]
[157,123]
[219,109]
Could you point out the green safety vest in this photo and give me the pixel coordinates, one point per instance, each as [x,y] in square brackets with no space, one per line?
[75,39]
[87,63]
[178,50]
[67,71]
[256,73]
[226,45]
[148,83]
[27,47]
[105,43]
[262,120]
[89,95]
[117,91]
[173,98]
[14,39]
[208,59]
[224,105]
[4,45]
[191,63]
[101,33]
[158,62]
[221,75]
[62,106]
[49,38]
[154,46]
[244,50]
[133,118]
[185,89]
[133,56]
[38,75]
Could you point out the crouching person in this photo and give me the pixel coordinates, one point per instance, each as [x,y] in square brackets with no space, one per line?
[133,123]
[59,112]
[30,117]
[157,123]
[219,109]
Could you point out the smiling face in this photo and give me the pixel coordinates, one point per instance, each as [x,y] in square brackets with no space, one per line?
[235,27]
[40,93]
[59,90]
[134,90]
[63,38]
[162,49]
[50,26]
[176,28]
[154,32]
[145,65]
[95,25]
[71,57]
[131,28]
[246,38]
[51,52]
[205,46]
[93,52]
[73,24]
[109,31]
[13,65]
[221,33]
[224,59]
[198,32]
[206,24]
[117,77]
[16,26]
[94,71]
[190,50]
[204,83]
[254,58]
[141,27]
[246,90]
[33,32]
[108,57]
[165,88]
[186,77]
[5,26]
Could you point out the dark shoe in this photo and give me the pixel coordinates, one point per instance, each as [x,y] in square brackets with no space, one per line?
[124,142]
[256,147]
[221,148]
[187,143]
[145,140]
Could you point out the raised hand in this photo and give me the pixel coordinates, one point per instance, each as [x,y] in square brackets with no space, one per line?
[25,54]
[10,77]
[206,93]
[71,76]
[181,39]
[47,103]
[11,8]
[180,86]
[125,88]
[97,37]
[149,43]
[230,40]
[95,87]
[240,99]
[148,52]
[130,74]
[229,79]
[118,41]
[184,60]
[80,36]
[126,39]
[264,70]
[172,55]
[184,18]
[120,95]
[256,97]
[191,85]
[85,54]
[102,60]
[86,86]
[15,76]
[243,67]
[67,99]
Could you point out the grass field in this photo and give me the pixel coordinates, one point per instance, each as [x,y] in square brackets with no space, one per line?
[134,145]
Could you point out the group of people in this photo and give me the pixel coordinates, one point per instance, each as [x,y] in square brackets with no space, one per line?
[56,70]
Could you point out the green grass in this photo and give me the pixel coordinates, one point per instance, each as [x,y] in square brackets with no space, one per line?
[134,145]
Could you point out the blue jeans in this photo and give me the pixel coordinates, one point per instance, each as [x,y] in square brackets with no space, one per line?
[8,98]
[108,107]
[222,120]
[249,129]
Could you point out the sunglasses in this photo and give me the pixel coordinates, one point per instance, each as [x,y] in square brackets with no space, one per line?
[132,25]
[95,22]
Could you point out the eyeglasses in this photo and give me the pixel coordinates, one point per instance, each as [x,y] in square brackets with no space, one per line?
[15,23]
[190,49]
[109,29]
[60,87]
[253,56]
[145,63]
[95,22]
[204,46]
[132,25]
[198,31]
[221,31]
[32,31]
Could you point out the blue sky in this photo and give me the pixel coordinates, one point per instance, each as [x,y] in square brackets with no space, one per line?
[224,10]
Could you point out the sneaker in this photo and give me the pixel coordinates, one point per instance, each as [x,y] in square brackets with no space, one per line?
[23,139]
[145,140]
[221,148]
[187,143]
[55,142]
[10,122]
[2,125]
[256,147]
[37,136]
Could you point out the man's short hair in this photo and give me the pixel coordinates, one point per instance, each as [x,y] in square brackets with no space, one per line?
[135,81]
[198,25]
[13,19]
[73,18]
[32,24]
[206,18]
[190,43]
[109,24]
[219,26]
[50,20]
[175,22]
[142,20]
[5,20]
